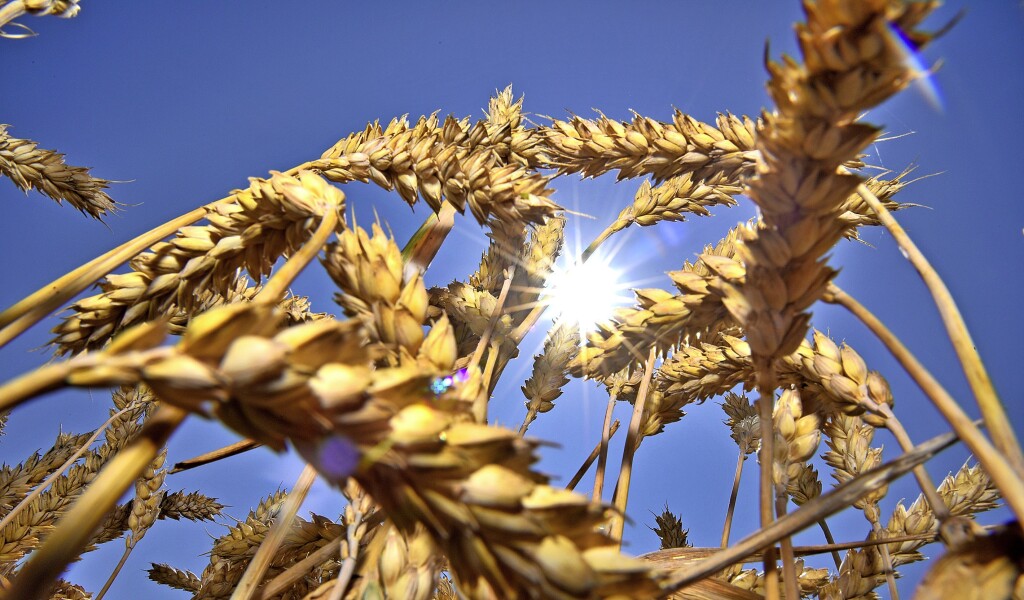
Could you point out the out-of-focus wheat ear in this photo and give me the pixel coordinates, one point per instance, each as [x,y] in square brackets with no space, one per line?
[405,565]
[9,11]
[176,578]
[29,166]
[1010,485]
[986,565]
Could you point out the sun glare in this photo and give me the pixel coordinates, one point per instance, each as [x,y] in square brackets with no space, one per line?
[586,293]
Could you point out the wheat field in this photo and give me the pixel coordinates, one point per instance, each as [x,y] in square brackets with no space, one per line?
[413,391]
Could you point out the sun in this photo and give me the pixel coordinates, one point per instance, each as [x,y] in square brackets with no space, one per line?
[585,293]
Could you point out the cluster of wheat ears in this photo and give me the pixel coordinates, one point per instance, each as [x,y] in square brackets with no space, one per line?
[389,402]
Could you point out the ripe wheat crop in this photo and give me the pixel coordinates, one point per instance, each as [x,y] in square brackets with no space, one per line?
[392,396]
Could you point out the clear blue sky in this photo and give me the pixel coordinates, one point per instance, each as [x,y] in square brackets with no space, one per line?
[183,101]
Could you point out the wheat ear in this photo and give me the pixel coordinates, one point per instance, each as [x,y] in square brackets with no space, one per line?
[31,167]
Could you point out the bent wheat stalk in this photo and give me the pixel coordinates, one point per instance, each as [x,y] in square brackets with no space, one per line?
[996,420]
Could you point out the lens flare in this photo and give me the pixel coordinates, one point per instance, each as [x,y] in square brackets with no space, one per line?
[924,78]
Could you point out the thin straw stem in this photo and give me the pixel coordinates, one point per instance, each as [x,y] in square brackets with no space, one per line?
[602,461]
[924,480]
[727,528]
[831,542]
[632,439]
[480,404]
[422,247]
[253,575]
[113,574]
[788,558]
[996,465]
[76,528]
[992,410]
[590,459]
[39,381]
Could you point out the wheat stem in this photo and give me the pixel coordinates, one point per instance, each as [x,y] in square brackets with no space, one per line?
[831,542]
[480,403]
[113,574]
[992,410]
[632,442]
[44,379]
[996,465]
[788,558]
[253,575]
[602,460]
[924,480]
[590,459]
[727,528]
[80,522]
[765,373]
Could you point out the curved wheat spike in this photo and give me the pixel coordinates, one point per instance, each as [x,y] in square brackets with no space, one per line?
[31,167]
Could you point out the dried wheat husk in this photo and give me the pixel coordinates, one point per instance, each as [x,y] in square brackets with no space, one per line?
[29,166]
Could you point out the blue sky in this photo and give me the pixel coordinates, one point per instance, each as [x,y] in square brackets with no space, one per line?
[183,101]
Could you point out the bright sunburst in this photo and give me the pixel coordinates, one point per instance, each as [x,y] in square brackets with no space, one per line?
[586,292]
